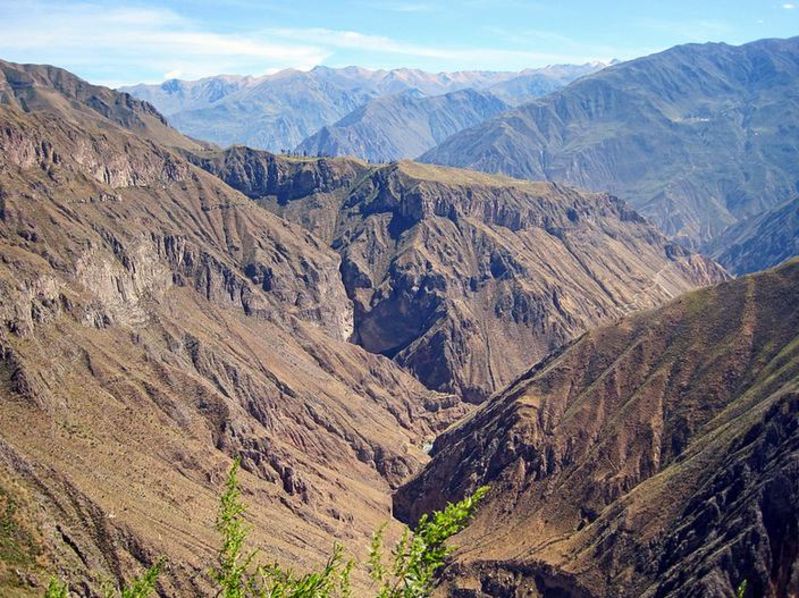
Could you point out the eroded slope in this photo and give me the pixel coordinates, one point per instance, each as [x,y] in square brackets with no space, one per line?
[465,278]
[655,457]
[156,323]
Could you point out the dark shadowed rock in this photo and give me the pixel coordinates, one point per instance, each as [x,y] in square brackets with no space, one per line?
[462,278]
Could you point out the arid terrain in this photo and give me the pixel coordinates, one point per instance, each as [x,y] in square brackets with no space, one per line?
[373,341]
[462,278]
[654,457]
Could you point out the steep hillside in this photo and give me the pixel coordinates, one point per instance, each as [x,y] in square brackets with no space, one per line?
[655,457]
[759,242]
[156,323]
[463,278]
[72,100]
[696,138]
[402,126]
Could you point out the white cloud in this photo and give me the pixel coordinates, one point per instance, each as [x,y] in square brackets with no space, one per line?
[475,57]
[789,5]
[122,42]
[116,45]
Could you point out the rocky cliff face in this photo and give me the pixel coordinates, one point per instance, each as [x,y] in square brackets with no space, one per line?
[154,323]
[466,279]
[655,457]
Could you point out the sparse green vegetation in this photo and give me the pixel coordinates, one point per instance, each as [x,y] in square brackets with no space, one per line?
[237,578]
[143,586]
[415,559]
[741,591]
[230,574]
[418,555]
[56,589]
[16,545]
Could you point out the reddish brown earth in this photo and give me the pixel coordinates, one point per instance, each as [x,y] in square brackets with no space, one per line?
[655,457]
[465,279]
[154,323]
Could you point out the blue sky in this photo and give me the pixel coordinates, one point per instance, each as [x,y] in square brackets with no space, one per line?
[120,42]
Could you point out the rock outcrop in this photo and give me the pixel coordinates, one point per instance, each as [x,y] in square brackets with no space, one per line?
[463,278]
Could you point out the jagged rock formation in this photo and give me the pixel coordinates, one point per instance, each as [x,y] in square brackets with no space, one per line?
[696,138]
[154,322]
[759,242]
[463,278]
[400,126]
[655,457]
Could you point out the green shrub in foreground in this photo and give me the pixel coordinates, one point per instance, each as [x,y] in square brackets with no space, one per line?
[414,559]
[56,589]
[418,555]
[141,587]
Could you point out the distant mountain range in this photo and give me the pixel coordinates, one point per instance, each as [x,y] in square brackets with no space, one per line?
[402,125]
[697,137]
[277,112]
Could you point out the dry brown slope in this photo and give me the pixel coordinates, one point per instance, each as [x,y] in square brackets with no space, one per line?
[155,323]
[655,457]
[466,278]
